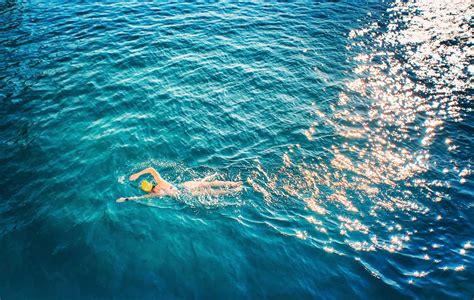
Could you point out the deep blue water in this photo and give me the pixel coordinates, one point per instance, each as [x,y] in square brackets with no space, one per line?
[350,123]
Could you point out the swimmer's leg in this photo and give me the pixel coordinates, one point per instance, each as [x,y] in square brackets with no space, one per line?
[214,192]
[205,184]
[218,183]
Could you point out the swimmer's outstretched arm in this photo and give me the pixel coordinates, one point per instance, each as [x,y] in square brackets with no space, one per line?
[123,199]
[151,171]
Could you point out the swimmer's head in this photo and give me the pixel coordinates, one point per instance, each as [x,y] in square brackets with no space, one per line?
[146,186]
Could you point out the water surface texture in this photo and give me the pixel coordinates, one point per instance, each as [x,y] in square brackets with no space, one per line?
[349,122]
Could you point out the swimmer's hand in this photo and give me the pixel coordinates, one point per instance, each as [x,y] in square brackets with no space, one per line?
[134,177]
[122,199]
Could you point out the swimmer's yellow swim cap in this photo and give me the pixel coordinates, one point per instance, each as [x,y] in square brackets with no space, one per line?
[146,186]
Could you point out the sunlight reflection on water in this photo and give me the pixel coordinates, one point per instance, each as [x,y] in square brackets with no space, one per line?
[411,77]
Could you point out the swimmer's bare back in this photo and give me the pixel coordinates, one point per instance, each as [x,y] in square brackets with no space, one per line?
[195,187]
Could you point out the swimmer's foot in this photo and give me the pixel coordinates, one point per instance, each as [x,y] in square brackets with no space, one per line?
[236,189]
[236,184]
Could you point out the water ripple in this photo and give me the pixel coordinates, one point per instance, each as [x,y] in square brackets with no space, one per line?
[350,125]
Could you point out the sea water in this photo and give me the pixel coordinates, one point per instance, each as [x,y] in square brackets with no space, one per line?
[349,122]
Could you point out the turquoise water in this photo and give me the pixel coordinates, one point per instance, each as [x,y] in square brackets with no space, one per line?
[350,123]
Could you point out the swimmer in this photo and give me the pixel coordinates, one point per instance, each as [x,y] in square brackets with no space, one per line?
[202,187]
